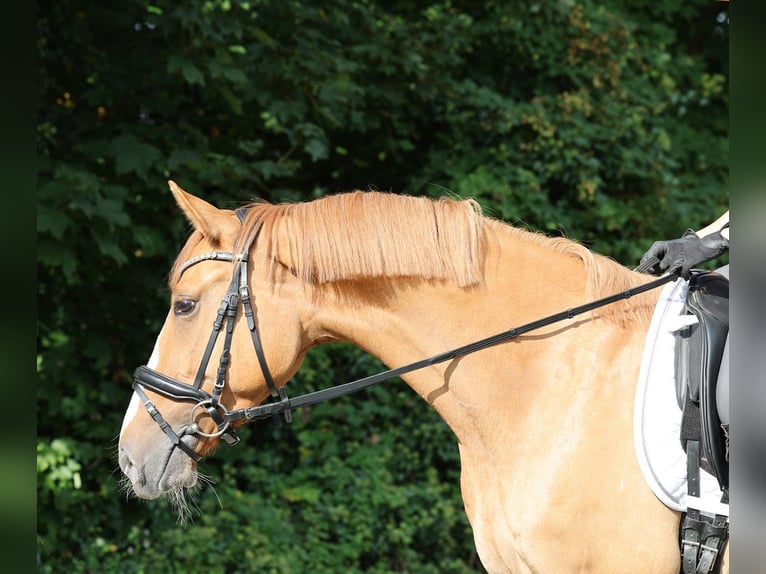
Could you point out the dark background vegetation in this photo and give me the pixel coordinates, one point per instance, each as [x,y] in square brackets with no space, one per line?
[602,120]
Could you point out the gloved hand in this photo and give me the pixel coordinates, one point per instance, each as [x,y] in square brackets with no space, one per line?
[681,255]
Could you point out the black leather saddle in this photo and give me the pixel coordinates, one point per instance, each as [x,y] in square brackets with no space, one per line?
[700,348]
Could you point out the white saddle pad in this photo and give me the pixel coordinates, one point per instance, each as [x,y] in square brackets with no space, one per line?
[657,416]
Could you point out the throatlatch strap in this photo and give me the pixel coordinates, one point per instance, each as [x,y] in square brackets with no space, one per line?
[277,396]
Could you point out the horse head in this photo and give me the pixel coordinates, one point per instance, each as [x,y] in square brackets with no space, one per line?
[203,367]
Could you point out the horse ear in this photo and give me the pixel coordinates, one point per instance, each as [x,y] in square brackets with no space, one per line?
[204,217]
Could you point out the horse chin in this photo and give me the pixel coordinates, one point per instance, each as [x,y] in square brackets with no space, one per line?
[180,473]
[167,470]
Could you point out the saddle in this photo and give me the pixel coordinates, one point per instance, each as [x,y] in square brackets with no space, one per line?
[700,350]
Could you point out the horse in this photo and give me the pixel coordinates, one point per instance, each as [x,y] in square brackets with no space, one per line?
[543,421]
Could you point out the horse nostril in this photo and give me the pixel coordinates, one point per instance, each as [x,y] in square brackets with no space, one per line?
[128,466]
[124,459]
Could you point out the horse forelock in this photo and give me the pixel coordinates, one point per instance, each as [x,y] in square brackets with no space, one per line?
[372,235]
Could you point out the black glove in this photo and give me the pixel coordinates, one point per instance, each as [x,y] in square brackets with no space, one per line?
[681,255]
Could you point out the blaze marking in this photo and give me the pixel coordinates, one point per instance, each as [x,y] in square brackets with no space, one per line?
[135,402]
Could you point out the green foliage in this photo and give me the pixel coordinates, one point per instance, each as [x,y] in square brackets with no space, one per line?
[56,468]
[606,121]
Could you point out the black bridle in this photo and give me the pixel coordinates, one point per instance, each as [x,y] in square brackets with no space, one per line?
[280,405]
[238,292]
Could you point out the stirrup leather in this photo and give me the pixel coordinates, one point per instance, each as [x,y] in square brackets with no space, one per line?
[703,534]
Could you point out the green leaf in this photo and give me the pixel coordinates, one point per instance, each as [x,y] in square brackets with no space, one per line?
[235,75]
[132,156]
[317,149]
[302,493]
[58,255]
[113,250]
[190,72]
[182,157]
[53,221]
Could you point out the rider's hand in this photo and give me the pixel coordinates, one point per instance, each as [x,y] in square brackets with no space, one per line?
[681,255]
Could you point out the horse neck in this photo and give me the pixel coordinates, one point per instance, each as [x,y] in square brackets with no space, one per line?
[411,320]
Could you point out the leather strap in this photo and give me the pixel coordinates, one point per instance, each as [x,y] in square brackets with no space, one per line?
[703,537]
[167,429]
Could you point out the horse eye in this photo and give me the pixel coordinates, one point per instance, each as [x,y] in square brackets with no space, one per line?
[184,306]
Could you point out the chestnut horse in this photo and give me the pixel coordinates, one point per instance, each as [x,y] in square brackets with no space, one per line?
[549,474]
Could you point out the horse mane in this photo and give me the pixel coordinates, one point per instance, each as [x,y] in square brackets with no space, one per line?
[361,235]
[375,235]
[605,276]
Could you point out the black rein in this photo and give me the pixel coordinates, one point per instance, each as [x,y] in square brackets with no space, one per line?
[285,405]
